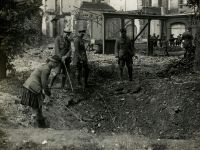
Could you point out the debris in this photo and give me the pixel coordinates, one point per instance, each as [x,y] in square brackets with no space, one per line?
[44,142]
[122,99]
[92,131]
[99,125]
[119,89]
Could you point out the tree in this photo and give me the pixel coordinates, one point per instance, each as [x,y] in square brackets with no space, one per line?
[13,14]
[196,5]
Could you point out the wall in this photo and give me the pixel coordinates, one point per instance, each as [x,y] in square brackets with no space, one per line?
[49,25]
[95,27]
[155,27]
[173,4]
[50,4]
[185,21]
[154,3]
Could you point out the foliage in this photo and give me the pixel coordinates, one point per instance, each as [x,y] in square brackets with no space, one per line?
[13,29]
[193,3]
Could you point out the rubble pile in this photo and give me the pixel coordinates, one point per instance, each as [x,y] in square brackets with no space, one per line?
[148,106]
[184,65]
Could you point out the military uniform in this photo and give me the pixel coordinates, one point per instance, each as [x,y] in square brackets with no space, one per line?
[124,52]
[81,61]
[36,87]
[187,44]
[171,40]
[62,48]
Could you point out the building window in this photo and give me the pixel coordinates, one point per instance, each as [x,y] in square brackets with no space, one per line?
[182,3]
[177,28]
[146,3]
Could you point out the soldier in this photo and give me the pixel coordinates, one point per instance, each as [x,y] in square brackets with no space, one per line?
[171,40]
[80,58]
[124,52]
[187,43]
[63,50]
[154,40]
[36,87]
[179,40]
[150,45]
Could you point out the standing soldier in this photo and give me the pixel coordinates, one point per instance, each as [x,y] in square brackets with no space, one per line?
[36,87]
[178,40]
[124,52]
[154,40]
[80,57]
[187,43]
[171,40]
[63,50]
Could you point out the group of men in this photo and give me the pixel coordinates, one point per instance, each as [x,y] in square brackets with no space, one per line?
[124,51]
[157,41]
[64,51]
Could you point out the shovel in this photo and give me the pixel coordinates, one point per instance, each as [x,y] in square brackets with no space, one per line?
[70,82]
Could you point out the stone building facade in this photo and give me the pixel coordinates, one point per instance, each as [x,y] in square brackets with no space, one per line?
[169,8]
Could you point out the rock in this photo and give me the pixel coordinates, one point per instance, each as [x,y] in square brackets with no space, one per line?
[119,89]
[123,99]
[92,131]
[44,142]
[137,90]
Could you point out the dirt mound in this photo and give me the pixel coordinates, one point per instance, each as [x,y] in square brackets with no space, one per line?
[149,106]
[184,65]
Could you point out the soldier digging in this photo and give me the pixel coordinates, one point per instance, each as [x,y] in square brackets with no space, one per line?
[63,50]
[124,52]
[36,87]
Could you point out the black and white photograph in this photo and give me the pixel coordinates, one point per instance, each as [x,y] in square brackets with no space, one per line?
[99,74]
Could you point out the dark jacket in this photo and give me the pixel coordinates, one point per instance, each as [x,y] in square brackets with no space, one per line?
[38,80]
[80,51]
[62,46]
[124,48]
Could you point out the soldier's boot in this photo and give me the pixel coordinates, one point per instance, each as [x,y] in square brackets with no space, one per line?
[130,70]
[41,119]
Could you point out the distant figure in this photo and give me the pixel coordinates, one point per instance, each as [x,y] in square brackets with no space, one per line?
[179,40]
[124,52]
[157,40]
[36,87]
[150,45]
[154,40]
[187,43]
[63,50]
[164,43]
[171,40]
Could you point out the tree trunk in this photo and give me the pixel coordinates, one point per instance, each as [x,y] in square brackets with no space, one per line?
[2,65]
[197,51]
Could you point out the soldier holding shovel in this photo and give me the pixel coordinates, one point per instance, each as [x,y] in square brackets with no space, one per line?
[36,87]
[63,50]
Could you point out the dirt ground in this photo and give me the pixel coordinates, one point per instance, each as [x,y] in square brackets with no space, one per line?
[149,113]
